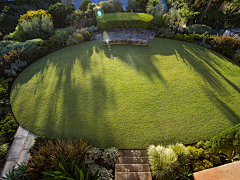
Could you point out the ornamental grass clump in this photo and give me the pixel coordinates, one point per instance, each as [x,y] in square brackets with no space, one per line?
[162,161]
[227,41]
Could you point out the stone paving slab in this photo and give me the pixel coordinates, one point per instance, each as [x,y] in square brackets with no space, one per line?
[132,160]
[16,148]
[133,176]
[29,141]
[23,157]
[21,132]
[132,168]
[229,171]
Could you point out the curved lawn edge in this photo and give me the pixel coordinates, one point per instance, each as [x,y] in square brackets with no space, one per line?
[217,83]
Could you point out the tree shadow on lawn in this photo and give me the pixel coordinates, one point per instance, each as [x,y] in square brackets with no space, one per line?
[201,64]
[66,84]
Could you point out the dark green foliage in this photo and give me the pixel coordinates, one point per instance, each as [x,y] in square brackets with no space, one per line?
[178,36]
[18,35]
[59,13]
[197,28]
[50,43]
[63,171]
[207,37]
[189,38]
[19,173]
[161,22]
[226,51]
[228,140]
[39,142]
[237,58]
[4,86]
[197,154]
[7,127]
[212,13]
[200,144]
[84,4]
[35,54]
[10,16]
[201,165]
[87,35]
[197,37]
[184,37]
[215,160]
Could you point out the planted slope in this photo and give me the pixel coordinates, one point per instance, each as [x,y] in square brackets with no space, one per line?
[169,91]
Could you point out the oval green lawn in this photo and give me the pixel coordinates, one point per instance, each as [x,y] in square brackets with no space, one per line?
[169,91]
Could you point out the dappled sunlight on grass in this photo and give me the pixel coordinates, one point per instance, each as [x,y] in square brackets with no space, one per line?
[166,92]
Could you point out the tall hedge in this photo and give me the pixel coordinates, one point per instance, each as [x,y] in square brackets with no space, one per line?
[59,13]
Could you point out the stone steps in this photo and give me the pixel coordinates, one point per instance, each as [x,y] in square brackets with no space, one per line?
[132,165]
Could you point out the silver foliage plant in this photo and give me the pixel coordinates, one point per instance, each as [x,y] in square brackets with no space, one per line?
[109,156]
[104,174]
[15,67]
[37,26]
[92,155]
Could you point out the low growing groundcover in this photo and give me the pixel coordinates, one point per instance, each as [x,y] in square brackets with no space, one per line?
[166,92]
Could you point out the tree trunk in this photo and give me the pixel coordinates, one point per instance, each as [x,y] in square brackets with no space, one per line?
[205,11]
[219,4]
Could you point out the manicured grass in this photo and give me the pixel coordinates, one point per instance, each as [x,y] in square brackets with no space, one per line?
[169,91]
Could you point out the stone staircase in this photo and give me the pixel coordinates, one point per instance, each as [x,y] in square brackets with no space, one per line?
[132,164]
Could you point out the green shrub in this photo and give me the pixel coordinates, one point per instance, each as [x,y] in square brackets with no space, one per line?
[166,33]
[107,6]
[237,58]
[84,5]
[87,35]
[7,127]
[36,30]
[51,43]
[226,51]
[200,144]
[10,16]
[40,141]
[18,35]
[195,154]
[41,161]
[4,86]
[212,13]
[3,147]
[59,13]
[228,140]
[178,36]
[197,28]
[201,165]
[215,160]
[197,37]
[62,35]
[162,161]
[206,37]
[28,47]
